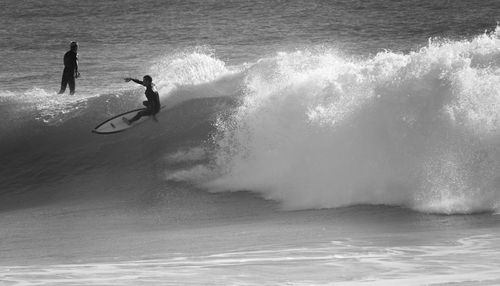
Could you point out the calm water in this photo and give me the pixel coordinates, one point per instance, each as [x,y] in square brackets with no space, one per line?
[118,38]
[303,143]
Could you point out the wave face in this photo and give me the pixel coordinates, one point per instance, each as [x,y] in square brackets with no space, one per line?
[419,130]
[309,129]
[48,153]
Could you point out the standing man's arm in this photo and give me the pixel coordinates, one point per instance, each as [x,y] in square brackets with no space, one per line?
[77,74]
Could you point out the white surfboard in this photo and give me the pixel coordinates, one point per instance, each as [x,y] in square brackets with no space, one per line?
[117,124]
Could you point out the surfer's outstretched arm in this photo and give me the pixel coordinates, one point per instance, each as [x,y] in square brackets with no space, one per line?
[127,79]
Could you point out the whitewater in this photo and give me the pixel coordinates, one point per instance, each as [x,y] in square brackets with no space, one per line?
[418,130]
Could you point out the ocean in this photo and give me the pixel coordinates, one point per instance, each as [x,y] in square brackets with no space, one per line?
[303,143]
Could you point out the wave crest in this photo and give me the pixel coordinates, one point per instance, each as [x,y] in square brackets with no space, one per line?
[318,130]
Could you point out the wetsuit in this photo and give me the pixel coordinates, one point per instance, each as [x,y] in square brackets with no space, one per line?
[70,69]
[152,104]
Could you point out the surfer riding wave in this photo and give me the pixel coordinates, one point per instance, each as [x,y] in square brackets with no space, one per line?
[153,99]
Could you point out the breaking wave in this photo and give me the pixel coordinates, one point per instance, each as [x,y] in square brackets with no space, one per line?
[309,128]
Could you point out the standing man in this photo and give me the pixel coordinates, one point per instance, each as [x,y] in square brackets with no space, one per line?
[70,72]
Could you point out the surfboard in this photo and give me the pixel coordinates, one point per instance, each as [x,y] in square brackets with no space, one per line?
[117,124]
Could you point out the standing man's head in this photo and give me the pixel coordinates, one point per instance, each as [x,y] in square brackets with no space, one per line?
[73,46]
[147,80]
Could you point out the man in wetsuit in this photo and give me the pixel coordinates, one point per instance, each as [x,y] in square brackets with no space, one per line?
[70,69]
[153,102]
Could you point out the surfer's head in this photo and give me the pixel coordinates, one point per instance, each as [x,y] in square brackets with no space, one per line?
[73,45]
[147,79]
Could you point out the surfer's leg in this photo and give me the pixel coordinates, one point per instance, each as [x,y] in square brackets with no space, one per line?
[153,114]
[150,110]
[135,118]
[126,120]
[138,115]
[142,113]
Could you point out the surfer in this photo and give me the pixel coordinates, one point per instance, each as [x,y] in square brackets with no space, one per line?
[153,102]
[70,72]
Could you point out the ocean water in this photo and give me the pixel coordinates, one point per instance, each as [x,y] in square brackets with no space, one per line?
[303,143]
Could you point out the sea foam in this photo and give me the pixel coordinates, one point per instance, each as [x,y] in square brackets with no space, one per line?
[320,130]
